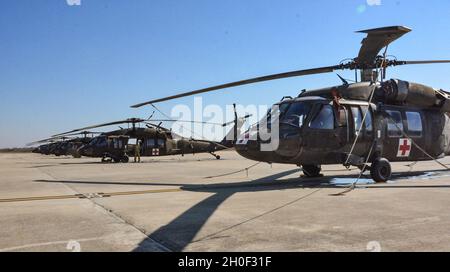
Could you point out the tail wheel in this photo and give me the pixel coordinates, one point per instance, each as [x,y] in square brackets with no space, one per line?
[125,159]
[381,170]
[312,171]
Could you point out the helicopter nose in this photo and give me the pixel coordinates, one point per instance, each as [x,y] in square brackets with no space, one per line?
[84,151]
[247,147]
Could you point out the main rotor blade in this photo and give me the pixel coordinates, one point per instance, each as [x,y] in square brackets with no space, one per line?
[376,40]
[185,121]
[52,139]
[127,121]
[150,125]
[399,62]
[314,71]
[82,133]
[39,142]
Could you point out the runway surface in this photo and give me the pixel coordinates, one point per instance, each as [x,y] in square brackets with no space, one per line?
[168,204]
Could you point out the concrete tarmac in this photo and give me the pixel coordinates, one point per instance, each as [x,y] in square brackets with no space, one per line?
[52,203]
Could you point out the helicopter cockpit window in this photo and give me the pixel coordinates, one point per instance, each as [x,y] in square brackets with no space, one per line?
[296,114]
[101,142]
[414,124]
[150,143]
[324,119]
[368,121]
[357,119]
[117,143]
[160,142]
[342,118]
[280,111]
[395,124]
[93,142]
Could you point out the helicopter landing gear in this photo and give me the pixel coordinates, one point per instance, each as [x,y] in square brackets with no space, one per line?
[364,167]
[381,170]
[215,155]
[312,171]
[106,160]
[123,159]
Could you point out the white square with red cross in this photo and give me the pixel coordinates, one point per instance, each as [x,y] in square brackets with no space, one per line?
[243,139]
[155,152]
[404,148]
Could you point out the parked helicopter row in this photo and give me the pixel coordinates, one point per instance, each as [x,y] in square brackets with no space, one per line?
[367,124]
[151,140]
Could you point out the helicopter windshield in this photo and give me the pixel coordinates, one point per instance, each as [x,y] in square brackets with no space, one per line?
[280,110]
[292,114]
[295,114]
[98,141]
[93,142]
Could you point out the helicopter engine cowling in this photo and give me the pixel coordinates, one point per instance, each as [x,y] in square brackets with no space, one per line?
[408,93]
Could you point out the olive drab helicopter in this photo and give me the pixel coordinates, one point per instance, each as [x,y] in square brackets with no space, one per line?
[367,124]
[155,140]
[63,145]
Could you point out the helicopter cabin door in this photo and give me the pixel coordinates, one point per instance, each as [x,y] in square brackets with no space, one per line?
[403,127]
[361,133]
[155,146]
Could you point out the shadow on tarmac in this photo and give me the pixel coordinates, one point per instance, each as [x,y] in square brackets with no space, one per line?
[182,230]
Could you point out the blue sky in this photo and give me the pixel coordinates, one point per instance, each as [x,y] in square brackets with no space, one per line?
[65,66]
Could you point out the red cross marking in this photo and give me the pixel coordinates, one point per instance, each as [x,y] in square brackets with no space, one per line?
[405,147]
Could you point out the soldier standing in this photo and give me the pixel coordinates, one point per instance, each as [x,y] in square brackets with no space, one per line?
[137,151]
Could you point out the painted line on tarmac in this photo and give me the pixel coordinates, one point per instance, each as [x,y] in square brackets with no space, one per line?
[88,195]
[28,246]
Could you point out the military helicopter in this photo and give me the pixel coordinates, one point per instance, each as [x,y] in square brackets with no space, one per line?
[64,145]
[367,124]
[156,140]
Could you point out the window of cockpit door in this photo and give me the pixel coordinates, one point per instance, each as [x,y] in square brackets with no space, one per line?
[324,119]
[357,120]
[368,122]
[414,121]
[160,142]
[342,119]
[394,124]
[150,143]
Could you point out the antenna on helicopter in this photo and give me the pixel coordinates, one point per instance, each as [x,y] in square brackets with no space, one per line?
[151,115]
[344,81]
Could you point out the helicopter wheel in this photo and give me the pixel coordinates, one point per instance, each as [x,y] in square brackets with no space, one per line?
[216,156]
[125,159]
[381,170]
[116,160]
[312,171]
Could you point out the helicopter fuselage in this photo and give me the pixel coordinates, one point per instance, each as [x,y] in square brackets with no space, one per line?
[318,130]
[154,143]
